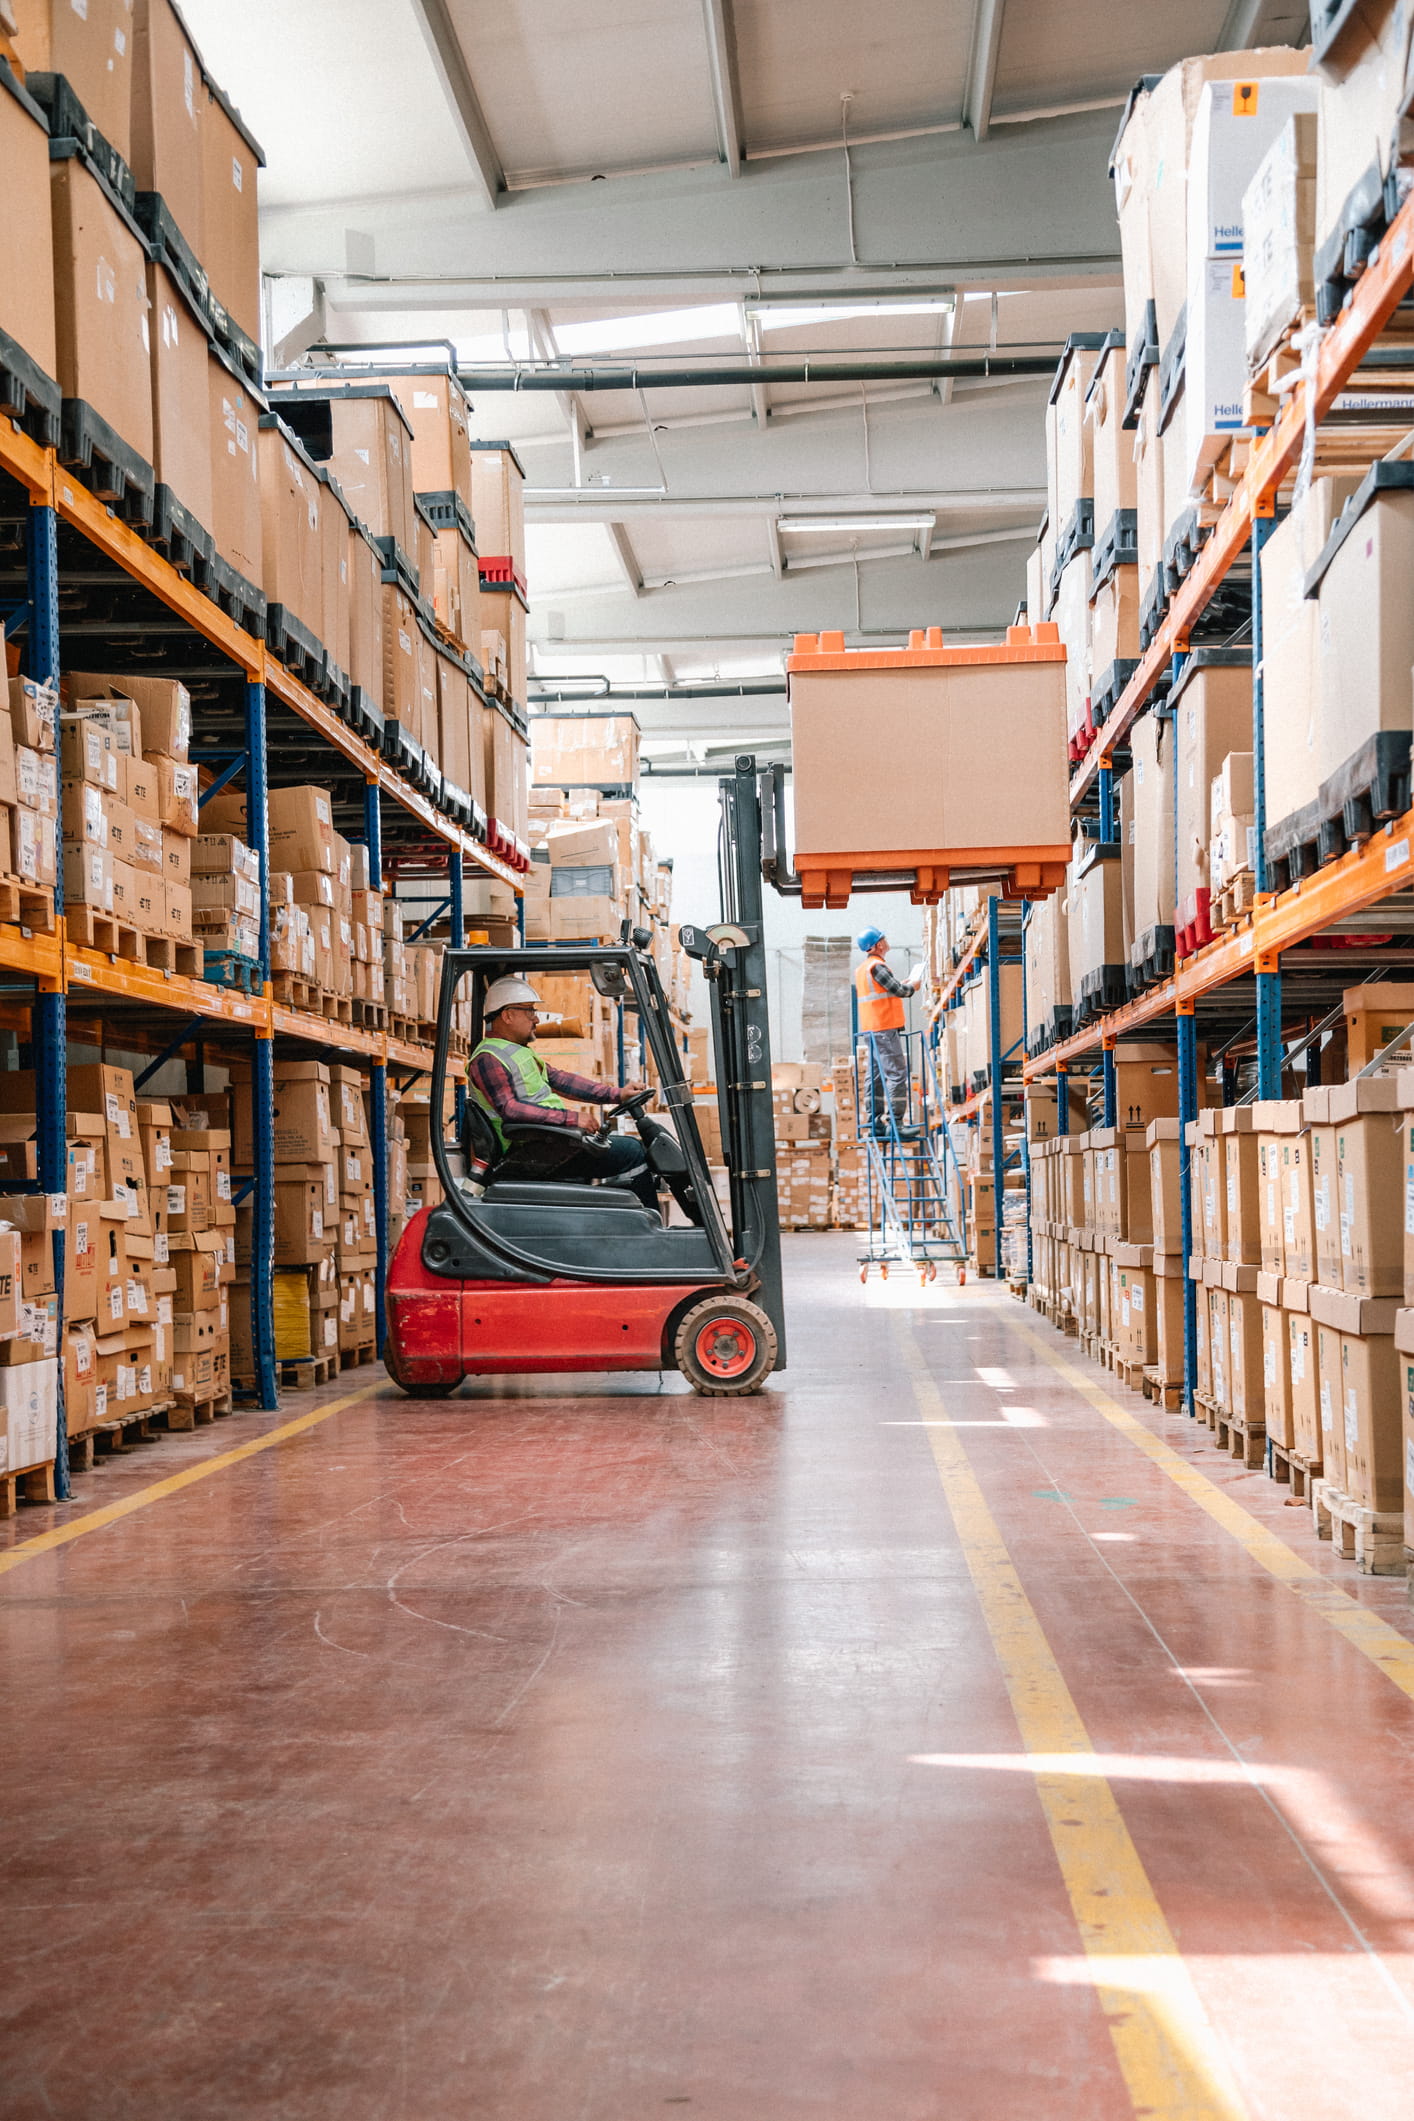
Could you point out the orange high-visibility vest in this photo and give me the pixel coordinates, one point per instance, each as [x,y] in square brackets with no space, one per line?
[877,1012]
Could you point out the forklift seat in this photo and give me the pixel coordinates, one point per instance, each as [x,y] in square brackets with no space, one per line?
[481,1152]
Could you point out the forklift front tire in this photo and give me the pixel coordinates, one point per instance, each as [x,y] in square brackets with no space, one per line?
[725,1347]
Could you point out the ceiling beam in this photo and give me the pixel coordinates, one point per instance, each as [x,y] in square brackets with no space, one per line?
[1030,206]
[987,19]
[1250,23]
[726,97]
[602,504]
[626,557]
[435,21]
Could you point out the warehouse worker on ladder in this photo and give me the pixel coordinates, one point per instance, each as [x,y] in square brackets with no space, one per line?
[881,1001]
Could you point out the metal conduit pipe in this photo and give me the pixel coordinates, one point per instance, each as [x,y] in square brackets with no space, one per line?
[748,689]
[528,375]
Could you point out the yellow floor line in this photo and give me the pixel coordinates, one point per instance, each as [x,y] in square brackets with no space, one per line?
[46,1542]
[1170,2057]
[1391,1652]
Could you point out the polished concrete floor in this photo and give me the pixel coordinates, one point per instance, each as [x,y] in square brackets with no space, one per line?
[946,1736]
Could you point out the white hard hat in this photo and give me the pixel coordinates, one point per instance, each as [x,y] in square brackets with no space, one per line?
[507,993]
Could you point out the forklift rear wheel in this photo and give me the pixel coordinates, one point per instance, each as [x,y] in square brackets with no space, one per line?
[725,1347]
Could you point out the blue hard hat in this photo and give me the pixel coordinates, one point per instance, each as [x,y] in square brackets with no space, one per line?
[867,937]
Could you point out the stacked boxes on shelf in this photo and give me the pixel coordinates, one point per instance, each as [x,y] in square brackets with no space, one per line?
[201,1242]
[309,1222]
[1106,1252]
[805,1176]
[129,339]
[129,817]
[29,804]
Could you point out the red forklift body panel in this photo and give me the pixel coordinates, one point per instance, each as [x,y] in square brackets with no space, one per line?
[443,1330]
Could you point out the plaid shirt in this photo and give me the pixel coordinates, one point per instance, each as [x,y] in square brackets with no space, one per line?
[496,1083]
[889,981]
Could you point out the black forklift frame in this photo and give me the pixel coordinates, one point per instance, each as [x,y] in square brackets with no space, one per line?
[733,958]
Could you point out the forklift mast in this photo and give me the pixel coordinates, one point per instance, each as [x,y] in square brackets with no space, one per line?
[741,1035]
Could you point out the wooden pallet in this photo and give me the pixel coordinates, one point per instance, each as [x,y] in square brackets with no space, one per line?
[92,930]
[369,1016]
[1163,1391]
[337,1009]
[299,1371]
[26,1484]
[294,993]
[192,1410]
[1242,1438]
[1289,1467]
[354,1358]
[1206,1410]
[167,953]
[1130,1374]
[1235,900]
[27,905]
[118,1433]
[1269,385]
[1374,1541]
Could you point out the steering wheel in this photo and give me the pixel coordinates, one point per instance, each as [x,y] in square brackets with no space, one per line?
[631,1105]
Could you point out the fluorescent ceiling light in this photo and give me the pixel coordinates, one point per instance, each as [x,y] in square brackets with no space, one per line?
[862,522]
[664,327]
[782,316]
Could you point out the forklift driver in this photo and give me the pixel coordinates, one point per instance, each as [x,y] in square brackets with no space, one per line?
[511,1083]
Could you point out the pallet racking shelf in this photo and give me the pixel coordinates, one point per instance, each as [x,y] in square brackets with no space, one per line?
[1299,947]
[69,539]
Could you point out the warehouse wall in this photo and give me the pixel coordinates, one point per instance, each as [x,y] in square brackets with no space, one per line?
[682,816]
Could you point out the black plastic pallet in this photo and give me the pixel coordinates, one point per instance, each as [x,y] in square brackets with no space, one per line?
[110,469]
[175,532]
[1117,545]
[398,568]
[363,714]
[230,592]
[1173,369]
[1104,989]
[402,750]
[1152,960]
[68,120]
[28,396]
[446,510]
[1078,536]
[1143,355]
[1108,688]
[1372,786]
[1153,608]
[295,645]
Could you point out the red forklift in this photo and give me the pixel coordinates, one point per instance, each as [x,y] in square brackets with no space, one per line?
[516,1275]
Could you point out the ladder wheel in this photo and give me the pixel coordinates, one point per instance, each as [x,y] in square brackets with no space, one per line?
[961,1276]
[884,1269]
[864,1273]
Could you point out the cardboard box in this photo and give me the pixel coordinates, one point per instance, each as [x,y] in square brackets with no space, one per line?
[302,1232]
[1242,1207]
[304,1127]
[26,230]
[91,45]
[101,306]
[1370,1189]
[497,501]
[1365,640]
[181,432]
[1325,1212]
[235,469]
[230,234]
[30,1408]
[164,706]
[37,1217]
